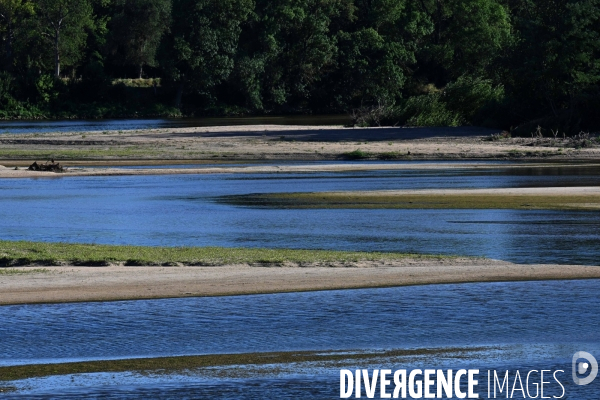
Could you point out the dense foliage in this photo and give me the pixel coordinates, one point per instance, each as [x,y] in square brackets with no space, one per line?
[501,63]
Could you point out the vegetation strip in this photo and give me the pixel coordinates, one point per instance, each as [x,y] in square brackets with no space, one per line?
[418,201]
[182,363]
[39,253]
[14,271]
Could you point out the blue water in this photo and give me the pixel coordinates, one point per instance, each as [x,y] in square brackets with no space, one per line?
[530,325]
[534,325]
[43,126]
[186,210]
[406,317]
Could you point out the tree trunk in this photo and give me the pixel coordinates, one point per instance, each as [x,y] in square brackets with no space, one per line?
[56,54]
[9,37]
[141,71]
[179,95]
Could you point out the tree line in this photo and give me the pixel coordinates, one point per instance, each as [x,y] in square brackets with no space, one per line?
[504,63]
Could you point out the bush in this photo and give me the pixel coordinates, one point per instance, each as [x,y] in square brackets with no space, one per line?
[428,110]
[466,101]
[7,84]
[357,154]
[47,88]
[468,96]
[376,115]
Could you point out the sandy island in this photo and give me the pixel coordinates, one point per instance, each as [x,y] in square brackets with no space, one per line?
[74,284]
[284,143]
[7,172]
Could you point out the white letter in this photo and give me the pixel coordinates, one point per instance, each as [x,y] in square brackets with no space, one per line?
[563,388]
[357,383]
[542,384]
[384,382]
[400,384]
[504,382]
[536,386]
[412,383]
[346,391]
[459,373]
[517,376]
[442,382]
[473,383]
[370,386]
[428,382]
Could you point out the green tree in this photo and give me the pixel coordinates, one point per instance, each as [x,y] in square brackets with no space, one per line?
[12,12]
[554,66]
[287,48]
[137,28]
[63,24]
[377,50]
[204,37]
[468,38]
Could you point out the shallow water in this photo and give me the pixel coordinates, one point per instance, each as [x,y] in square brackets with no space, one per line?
[406,317]
[185,210]
[533,325]
[301,380]
[44,126]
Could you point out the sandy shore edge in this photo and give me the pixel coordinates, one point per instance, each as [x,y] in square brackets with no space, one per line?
[79,284]
[7,172]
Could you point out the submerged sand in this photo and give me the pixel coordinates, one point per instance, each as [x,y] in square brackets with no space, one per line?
[74,284]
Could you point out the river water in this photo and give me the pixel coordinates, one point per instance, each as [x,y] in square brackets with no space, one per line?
[527,325]
[186,210]
[43,126]
[530,325]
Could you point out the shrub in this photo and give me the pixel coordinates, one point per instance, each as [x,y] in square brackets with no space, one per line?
[357,154]
[467,96]
[428,110]
[376,115]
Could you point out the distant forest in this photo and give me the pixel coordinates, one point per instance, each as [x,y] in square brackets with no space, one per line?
[510,64]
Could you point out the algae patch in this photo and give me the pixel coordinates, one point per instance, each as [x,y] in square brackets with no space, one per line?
[169,365]
[381,200]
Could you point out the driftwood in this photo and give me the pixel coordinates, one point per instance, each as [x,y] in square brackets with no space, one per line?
[47,166]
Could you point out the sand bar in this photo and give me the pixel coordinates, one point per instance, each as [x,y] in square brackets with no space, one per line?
[535,191]
[74,284]
[271,142]
[11,172]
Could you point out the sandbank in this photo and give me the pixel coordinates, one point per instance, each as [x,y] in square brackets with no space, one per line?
[78,284]
[11,172]
[286,143]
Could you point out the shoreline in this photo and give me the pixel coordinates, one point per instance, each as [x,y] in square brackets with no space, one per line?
[107,170]
[65,284]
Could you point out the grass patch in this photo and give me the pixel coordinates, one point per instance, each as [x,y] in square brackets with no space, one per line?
[417,201]
[77,154]
[180,364]
[39,253]
[14,271]
[357,154]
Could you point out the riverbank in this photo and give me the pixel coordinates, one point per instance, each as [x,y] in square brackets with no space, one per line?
[286,143]
[79,284]
[106,168]
[545,198]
